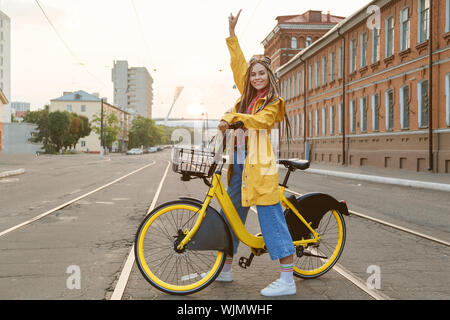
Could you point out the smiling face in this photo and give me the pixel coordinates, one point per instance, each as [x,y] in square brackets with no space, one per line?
[259,78]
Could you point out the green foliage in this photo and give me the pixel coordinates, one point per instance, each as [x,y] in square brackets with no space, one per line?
[111,128]
[57,130]
[144,132]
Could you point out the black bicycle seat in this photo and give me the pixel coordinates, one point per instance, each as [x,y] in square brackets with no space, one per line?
[294,165]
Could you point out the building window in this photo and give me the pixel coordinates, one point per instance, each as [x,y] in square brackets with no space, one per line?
[324,121]
[299,86]
[375,45]
[363,58]
[83,108]
[332,66]
[294,43]
[324,70]
[422,97]
[308,41]
[389,109]
[310,124]
[331,120]
[303,125]
[310,76]
[69,108]
[447,96]
[289,93]
[352,55]
[447,16]
[341,61]
[424,11]
[389,37]
[293,86]
[363,113]
[317,122]
[375,112]
[404,29]
[317,74]
[404,107]
[83,143]
[298,125]
[352,116]
[340,117]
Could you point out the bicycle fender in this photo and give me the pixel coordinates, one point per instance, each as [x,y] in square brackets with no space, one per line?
[312,207]
[213,234]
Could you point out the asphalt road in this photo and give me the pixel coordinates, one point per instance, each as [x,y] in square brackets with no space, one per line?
[78,252]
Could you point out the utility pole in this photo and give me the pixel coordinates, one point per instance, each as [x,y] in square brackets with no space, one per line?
[101,130]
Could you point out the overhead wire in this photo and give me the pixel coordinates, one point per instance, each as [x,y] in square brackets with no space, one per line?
[72,53]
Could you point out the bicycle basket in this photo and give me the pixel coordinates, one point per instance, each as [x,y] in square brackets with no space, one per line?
[193,162]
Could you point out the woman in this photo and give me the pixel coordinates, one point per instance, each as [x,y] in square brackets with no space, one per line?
[259,108]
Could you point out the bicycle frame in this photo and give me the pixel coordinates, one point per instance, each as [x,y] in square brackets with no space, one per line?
[218,190]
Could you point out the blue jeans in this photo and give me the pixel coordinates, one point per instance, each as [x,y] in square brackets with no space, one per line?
[272,222]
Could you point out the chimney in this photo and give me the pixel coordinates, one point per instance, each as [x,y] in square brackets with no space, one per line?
[96,94]
[328,17]
[66,92]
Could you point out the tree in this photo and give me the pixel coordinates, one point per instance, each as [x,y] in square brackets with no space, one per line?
[111,128]
[144,132]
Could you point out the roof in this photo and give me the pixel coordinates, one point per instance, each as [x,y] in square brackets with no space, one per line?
[307,18]
[79,95]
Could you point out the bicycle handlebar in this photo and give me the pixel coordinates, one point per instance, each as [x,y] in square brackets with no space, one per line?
[236,125]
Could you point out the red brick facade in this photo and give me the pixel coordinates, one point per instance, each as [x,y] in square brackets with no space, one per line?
[379,96]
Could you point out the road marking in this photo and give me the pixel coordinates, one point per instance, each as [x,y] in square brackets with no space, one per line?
[71,201]
[126,271]
[104,202]
[418,234]
[120,199]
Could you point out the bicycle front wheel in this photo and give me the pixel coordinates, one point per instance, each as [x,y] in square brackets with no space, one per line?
[165,267]
[318,258]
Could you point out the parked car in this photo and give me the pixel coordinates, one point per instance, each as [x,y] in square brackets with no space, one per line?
[135,151]
[152,149]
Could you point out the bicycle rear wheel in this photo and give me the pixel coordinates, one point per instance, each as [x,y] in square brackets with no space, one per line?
[317,259]
[162,264]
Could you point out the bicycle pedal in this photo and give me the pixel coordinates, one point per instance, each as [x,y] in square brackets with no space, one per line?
[246,262]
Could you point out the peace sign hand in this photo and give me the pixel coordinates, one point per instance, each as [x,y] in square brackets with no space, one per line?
[232,21]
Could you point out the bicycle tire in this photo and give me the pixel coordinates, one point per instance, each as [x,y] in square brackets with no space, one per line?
[173,272]
[310,266]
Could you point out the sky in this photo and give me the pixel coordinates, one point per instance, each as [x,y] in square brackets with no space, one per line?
[180,42]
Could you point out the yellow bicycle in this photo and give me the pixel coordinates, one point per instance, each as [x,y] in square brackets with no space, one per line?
[180,246]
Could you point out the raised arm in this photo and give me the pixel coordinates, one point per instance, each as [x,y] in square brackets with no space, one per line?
[238,63]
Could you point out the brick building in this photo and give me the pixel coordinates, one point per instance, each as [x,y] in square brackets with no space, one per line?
[367,92]
[293,33]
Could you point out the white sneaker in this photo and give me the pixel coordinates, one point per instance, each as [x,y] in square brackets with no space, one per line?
[225,276]
[279,288]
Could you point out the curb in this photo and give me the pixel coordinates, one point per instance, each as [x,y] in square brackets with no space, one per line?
[11,173]
[385,180]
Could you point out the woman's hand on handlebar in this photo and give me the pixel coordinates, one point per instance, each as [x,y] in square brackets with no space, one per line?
[223,126]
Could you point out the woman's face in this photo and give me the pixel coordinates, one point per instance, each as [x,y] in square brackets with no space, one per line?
[259,78]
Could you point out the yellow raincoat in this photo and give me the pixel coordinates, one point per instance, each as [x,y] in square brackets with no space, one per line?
[260,176]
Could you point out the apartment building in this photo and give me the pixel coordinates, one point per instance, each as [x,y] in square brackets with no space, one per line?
[88,105]
[3,103]
[5,63]
[132,89]
[294,33]
[369,92]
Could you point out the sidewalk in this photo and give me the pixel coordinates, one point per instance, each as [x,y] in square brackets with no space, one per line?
[425,180]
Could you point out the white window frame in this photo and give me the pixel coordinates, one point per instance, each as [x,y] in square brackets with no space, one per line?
[363,53]
[294,87]
[310,124]
[405,24]
[341,61]
[375,44]
[303,124]
[324,121]
[420,104]
[420,25]
[363,111]
[298,125]
[317,120]
[402,106]
[69,108]
[340,117]
[387,113]
[332,66]
[389,37]
[447,16]
[308,41]
[374,117]
[352,116]
[447,98]
[293,43]
[324,70]
[331,120]
[299,80]
[353,46]
[317,72]
[310,76]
